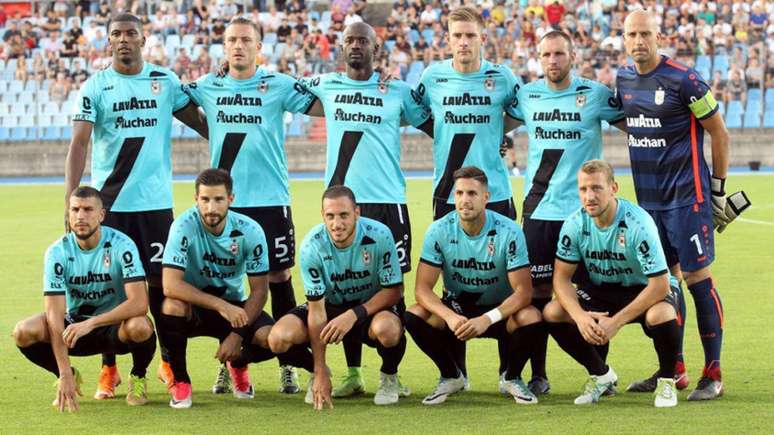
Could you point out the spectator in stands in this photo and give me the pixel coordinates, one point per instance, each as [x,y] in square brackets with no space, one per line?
[428,16]
[718,85]
[3,16]
[78,75]
[52,23]
[69,47]
[217,32]
[201,11]
[555,13]
[606,75]
[16,47]
[60,89]
[754,73]
[283,30]
[11,31]
[736,89]
[182,62]
[29,36]
[21,73]
[401,59]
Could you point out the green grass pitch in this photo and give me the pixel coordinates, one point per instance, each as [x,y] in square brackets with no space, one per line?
[743,271]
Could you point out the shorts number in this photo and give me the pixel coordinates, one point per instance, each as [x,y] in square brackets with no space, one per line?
[695,239]
[280,247]
[159,254]
[401,252]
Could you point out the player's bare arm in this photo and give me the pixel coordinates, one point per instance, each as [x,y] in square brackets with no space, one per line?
[67,390]
[656,290]
[716,128]
[230,348]
[175,287]
[568,299]
[194,118]
[135,305]
[76,158]
[322,380]
[427,276]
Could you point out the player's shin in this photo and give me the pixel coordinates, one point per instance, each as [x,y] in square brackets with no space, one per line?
[520,346]
[282,298]
[142,355]
[392,356]
[298,356]
[353,352]
[681,313]
[173,329]
[665,339]
[42,355]
[155,299]
[709,316]
[571,341]
[433,343]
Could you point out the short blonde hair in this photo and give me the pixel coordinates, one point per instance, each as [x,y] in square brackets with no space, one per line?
[466,14]
[597,166]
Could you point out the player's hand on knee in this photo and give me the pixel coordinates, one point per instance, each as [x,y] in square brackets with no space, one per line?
[337,328]
[235,315]
[454,321]
[230,349]
[473,328]
[609,327]
[321,391]
[74,331]
[589,329]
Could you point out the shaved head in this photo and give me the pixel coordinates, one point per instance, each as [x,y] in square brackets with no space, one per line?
[361,29]
[359,48]
[641,38]
[641,18]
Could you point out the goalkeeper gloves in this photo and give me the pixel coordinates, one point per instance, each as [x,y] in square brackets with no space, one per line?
[718,188]
[736,203]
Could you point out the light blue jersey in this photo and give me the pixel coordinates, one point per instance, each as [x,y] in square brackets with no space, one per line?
[247,131]
[626,253]
[479,264]
[564,129]
[363,120]
[468,123]
[352,274]
[92,281]
[217,264]
[131,159]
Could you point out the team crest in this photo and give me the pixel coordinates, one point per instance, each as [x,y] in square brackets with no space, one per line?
[622,238]
[382,87]
[263,87]
[155,87]
[234,248]
[659,98]
[106,260]
[489,84]
[580,100]
[490,248]
[366,257]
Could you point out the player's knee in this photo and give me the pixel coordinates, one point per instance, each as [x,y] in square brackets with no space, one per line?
[553,312]
[527,316]
[660,313]
[387,331]
[138,329]
[279,339]
[173,307]
[29,331]
[261,336]
[279,275]
[696,276]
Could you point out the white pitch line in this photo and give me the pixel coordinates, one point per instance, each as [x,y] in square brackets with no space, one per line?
[753,221]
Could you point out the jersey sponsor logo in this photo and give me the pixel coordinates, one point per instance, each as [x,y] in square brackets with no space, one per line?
[341,115]
[605,255]
[108,88]
[359,98]
[557,115]
[350,274]
[473,264]
[541,270]
[212,258]
[238,100]
[214,274]
[612,271]
[350,290]
[646,142]
[643,122]
[475,281]
[467,100]
[134,104]
[534,96]
[468,118]
[91,295]
[238,118]
[122,122]
[541,133]
[90,278]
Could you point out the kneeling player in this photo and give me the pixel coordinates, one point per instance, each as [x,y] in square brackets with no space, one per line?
[353,284]
[208,253]
[96,301]
[624,279]
[488,289]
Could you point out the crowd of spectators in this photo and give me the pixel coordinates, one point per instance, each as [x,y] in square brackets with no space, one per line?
[63,42]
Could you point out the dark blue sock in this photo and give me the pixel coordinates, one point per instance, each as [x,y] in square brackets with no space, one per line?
[681,313]
[709,316]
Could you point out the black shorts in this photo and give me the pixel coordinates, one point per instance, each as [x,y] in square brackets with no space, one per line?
[99,340]
[396,217]
[470,310]
[542,238]
[505,207]
[148,230]
[613,298]
[209,323]
[277,224]
[359,332]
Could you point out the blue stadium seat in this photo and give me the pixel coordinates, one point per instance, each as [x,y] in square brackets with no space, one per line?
[703,61]
[752,119]
[720,63]
[413,36]
[325,17]
[270,38]
[172,41]
[267,49]
[189,40]
[5,134]
[734,114]
[314,15]
[388,45]
[31,86]
[3,86]
[67,132]
[16,86]
[428,35]
[416,67]
[754,94]
[769,97]
[216,51]
[5,109]
[50,133]
[296,127]
[722,108]
[27,98]
[768,119]
[19,134]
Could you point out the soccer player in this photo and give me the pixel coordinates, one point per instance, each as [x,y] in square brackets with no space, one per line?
[467,96]
[487,289]
[127,110]
[96,301]
[562,113]
[244,110]
[353,285]
[363,116]
[668,107]
[208,253]
[623,278]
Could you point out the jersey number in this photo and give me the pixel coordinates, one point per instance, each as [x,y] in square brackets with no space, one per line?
[159,253]
[127,155]
[349,142]
[695,239]
[228,153]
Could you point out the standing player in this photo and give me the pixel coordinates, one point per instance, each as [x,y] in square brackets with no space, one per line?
[668,107]
[128,110]
[95,300]
[562,114]
[623,279]
[209,251]
[353,285]
[244,111]
[363,119]
[483,258]
[467,96]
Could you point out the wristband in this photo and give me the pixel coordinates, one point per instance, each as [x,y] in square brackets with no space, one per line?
[360,312]
[243,332]
[494,315]
[718,186]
